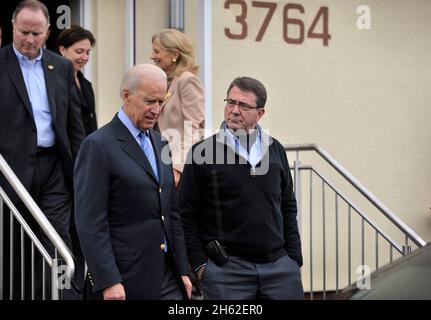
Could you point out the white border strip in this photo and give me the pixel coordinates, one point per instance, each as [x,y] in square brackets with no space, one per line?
[206,61]
[130,35]
[86,21]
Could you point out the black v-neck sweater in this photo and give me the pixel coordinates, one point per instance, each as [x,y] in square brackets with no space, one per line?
[253,215]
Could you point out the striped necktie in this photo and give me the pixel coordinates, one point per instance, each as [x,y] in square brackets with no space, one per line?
[149,151]
[236,139]
[146,146]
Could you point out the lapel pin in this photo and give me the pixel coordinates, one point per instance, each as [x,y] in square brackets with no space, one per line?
[50,67]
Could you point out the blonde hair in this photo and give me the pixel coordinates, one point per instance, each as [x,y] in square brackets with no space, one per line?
[172,40]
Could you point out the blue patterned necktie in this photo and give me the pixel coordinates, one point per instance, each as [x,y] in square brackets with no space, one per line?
[149,152]
[236,145]
[146,146]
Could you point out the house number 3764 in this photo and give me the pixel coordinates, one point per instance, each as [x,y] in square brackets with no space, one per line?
[294,29]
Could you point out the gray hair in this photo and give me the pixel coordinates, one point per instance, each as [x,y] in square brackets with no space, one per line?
[139,73]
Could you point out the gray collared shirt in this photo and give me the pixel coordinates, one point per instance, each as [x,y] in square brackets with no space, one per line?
[256,153]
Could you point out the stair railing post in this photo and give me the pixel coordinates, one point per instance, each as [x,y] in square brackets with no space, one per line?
[54,279]
[298,191]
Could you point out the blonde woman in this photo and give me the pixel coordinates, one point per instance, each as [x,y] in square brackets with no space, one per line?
[182,117]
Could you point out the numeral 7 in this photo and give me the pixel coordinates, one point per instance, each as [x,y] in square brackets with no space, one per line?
[271,6]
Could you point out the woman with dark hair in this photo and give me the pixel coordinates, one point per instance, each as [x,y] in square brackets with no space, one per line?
[75,44]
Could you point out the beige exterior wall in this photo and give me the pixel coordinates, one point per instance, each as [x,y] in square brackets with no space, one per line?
[109,56]
[152,16]
[364,97]
[192,23]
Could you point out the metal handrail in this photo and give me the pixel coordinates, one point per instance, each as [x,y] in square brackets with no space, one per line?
[40,218]
[360,187]
[25,226]
[355,207]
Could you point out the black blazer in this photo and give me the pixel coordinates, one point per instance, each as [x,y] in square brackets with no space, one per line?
[123,214]
[88,105]
[18,136]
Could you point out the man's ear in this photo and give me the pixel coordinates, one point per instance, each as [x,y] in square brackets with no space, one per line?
[261,112]
[125,95]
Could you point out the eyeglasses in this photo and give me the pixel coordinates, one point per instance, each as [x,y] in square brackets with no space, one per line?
[242,105]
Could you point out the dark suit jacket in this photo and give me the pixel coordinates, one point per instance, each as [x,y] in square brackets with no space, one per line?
[88,105]
[18,136]
[123,214]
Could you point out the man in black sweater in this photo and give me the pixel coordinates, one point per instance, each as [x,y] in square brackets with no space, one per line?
[238,206]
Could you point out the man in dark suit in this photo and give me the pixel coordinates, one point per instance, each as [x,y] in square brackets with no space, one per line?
[125,207]
[40,125]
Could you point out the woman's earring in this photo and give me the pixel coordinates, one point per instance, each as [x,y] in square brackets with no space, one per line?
[174,60]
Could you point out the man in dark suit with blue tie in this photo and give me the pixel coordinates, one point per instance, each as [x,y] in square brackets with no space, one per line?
[125,206]
[40,126]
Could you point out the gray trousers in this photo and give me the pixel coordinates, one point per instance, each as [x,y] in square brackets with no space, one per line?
[239,279]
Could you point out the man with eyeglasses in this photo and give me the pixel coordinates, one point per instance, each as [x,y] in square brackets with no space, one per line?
[125,205]
[238,206]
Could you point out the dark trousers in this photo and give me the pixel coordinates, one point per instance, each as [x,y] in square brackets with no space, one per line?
[171,287]
[239,279]
[54,198]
